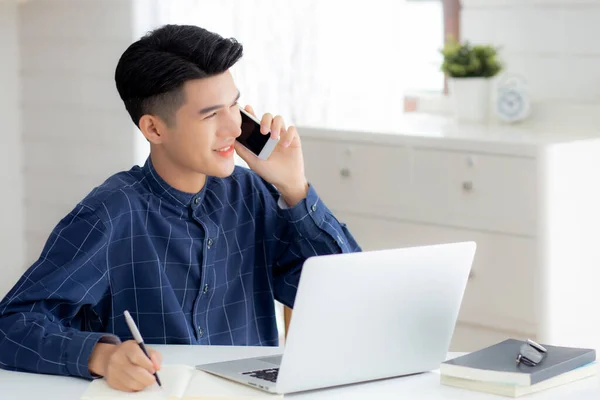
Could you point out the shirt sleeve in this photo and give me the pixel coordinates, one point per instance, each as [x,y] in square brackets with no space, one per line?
[307,229]
[43,319]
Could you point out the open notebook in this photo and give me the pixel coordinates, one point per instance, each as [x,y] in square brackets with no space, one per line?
[181,382]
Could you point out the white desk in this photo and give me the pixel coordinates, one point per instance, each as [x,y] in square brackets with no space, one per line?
[23,386]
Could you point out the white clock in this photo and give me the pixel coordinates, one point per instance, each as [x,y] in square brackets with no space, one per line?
[512,100]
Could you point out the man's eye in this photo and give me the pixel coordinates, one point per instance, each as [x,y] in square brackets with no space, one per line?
[211,115]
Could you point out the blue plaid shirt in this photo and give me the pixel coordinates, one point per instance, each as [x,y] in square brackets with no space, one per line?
[199,268]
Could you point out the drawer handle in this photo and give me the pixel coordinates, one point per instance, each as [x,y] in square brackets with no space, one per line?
[467,186]
[345,173]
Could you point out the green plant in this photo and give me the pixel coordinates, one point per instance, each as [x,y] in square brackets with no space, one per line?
[463,60]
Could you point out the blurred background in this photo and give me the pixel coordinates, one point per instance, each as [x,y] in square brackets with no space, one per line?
[363,82]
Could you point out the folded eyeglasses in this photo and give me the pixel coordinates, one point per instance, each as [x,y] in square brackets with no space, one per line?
[531,353]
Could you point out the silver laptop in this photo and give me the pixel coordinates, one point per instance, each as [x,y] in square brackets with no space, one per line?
[364,316]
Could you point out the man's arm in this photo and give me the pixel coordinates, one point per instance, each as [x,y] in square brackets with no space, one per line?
[298,224]
[304,229]
[44,318]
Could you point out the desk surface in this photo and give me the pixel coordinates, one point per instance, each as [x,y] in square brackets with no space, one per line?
[24,386]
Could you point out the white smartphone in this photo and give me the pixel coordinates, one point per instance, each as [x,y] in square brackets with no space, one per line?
[261,145]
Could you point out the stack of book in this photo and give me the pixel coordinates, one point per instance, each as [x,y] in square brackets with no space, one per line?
[494,369]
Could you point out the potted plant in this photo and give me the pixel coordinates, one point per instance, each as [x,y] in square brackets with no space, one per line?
[469,69]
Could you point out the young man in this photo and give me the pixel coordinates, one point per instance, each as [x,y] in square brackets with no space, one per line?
[195,248]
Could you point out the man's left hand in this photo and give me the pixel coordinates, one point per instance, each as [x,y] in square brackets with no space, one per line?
[285,167]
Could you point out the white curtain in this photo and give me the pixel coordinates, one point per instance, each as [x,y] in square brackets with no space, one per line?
[326,63]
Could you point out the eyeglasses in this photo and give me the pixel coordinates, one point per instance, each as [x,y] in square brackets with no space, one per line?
[531,353]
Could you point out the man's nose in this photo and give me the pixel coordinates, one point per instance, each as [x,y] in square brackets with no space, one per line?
[237,129]
[232,127]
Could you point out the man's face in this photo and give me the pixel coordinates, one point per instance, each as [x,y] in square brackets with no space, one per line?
[205,127]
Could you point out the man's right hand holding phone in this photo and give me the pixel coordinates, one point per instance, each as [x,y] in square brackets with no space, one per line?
[125,366]
[285,167]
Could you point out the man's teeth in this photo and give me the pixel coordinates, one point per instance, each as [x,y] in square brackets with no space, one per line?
[224,148]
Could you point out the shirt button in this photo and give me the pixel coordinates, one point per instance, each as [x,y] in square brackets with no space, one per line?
[314,207]
[200,331]
[196,200]
[210,242]
[205,288]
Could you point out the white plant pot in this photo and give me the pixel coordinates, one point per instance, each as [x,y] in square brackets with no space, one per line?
[470,98]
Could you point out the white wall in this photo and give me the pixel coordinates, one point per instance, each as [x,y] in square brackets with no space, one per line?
[75,129]
[11,209]
[552,43]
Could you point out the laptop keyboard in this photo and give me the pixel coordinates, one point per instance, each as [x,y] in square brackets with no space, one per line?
[264,374]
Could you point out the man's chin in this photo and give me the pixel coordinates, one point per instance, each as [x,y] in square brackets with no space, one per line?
[224,171]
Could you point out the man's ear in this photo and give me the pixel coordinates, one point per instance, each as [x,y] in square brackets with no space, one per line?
[153,128]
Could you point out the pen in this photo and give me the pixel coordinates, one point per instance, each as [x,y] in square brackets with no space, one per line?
[138,338]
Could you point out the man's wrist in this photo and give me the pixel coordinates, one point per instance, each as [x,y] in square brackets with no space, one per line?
[99,358]
[293,195]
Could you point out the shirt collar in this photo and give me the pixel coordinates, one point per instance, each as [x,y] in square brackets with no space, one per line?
[161,188]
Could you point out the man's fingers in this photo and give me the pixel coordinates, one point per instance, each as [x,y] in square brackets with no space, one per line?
[133,386]
[250,109]
[130,370]
[125,383]
[265,123]
[139,378]
[156,358]
[244,153]
[288,137]
[121,378]
[295,137]
[278,127]
[137,357]
[118,384]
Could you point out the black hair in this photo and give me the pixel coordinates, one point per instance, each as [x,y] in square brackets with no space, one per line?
[151,72]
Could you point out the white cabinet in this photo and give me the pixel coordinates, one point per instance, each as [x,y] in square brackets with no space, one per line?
[349,174]
[516,197]
[478,190]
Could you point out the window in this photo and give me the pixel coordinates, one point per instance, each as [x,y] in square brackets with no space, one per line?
[425,27]
[327,63]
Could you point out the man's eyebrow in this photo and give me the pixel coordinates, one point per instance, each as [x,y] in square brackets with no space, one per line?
[216,107]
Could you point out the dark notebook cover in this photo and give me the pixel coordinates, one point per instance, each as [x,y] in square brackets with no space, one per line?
[500,358]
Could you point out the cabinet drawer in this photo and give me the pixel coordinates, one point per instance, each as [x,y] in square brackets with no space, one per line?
[501,291]
[475,190]
[351,176]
